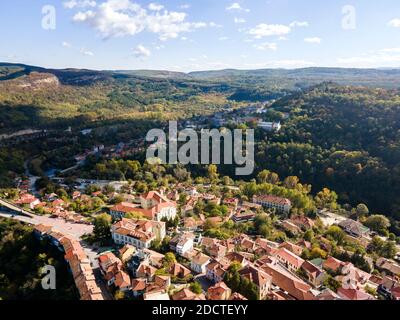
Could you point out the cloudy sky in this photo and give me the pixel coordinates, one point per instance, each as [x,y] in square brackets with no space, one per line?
[187,35]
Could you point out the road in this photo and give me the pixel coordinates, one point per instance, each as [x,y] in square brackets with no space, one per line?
[75,231]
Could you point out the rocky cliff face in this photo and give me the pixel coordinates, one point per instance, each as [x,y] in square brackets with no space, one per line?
[33,81]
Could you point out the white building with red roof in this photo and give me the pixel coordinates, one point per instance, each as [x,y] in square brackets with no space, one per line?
[138,233]
[273,202]
[153,206]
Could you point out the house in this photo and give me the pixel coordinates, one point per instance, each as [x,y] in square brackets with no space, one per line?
[353,294]
[182,243]
[235,257]
[272,202]
[158,206]
[179,271]
[186,294]
[390,288]
[327,295]
[243,216]
[156,296]
[270,126]
[154,258]
[138,233]
[153,206]
[111,268]
[297,250]
[138,287]
[126,252]
[354,228]
[257,276]
[352,277]
[199,262]
[303,222]
[290,226]
[315,275]
[122,209]
[289,283]
[388,266]
[237,297]
[333,264]
[215,271]
[41,231]
[28,200]
[146,271]
[123,281]
[289,260]
[106,260]
[217,251]
[219,292]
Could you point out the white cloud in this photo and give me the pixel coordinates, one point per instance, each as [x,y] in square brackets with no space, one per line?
[298,24]
[79,4]
[142,52]
[395,23]
[315,40]
[240,20]
[266,30]
[184,6]
[223,38]
[286,64]
[266,46]
[86,52]
[66,44]
[119,18]
[236,6]
[382,58]
[155,6]
[391,50]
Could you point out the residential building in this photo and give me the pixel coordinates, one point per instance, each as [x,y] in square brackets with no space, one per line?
[219,292]
[289,260]
[260,278]
[182,243]
[215,271]
[179,271]
[186,294]
[138,233]
[270,126]
[353,294]
[288,282]
[354,228]
[126,252]
[199,262]
[315,275]
[297,250]
[388,266]
[153,206]
[273,202]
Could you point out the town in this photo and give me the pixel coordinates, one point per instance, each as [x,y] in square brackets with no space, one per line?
[210,242]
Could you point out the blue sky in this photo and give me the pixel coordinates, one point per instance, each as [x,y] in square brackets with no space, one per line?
[188,35]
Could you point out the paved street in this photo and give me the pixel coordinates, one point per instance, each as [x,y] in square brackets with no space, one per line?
[76,231]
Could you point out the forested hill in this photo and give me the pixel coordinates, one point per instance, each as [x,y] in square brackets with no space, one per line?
[344,138]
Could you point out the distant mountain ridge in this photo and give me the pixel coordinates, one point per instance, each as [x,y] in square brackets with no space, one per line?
[318,73]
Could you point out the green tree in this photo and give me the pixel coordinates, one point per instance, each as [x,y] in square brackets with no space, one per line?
[102,228]
[336,234]
[212,173]
[377,223]
[196,288]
